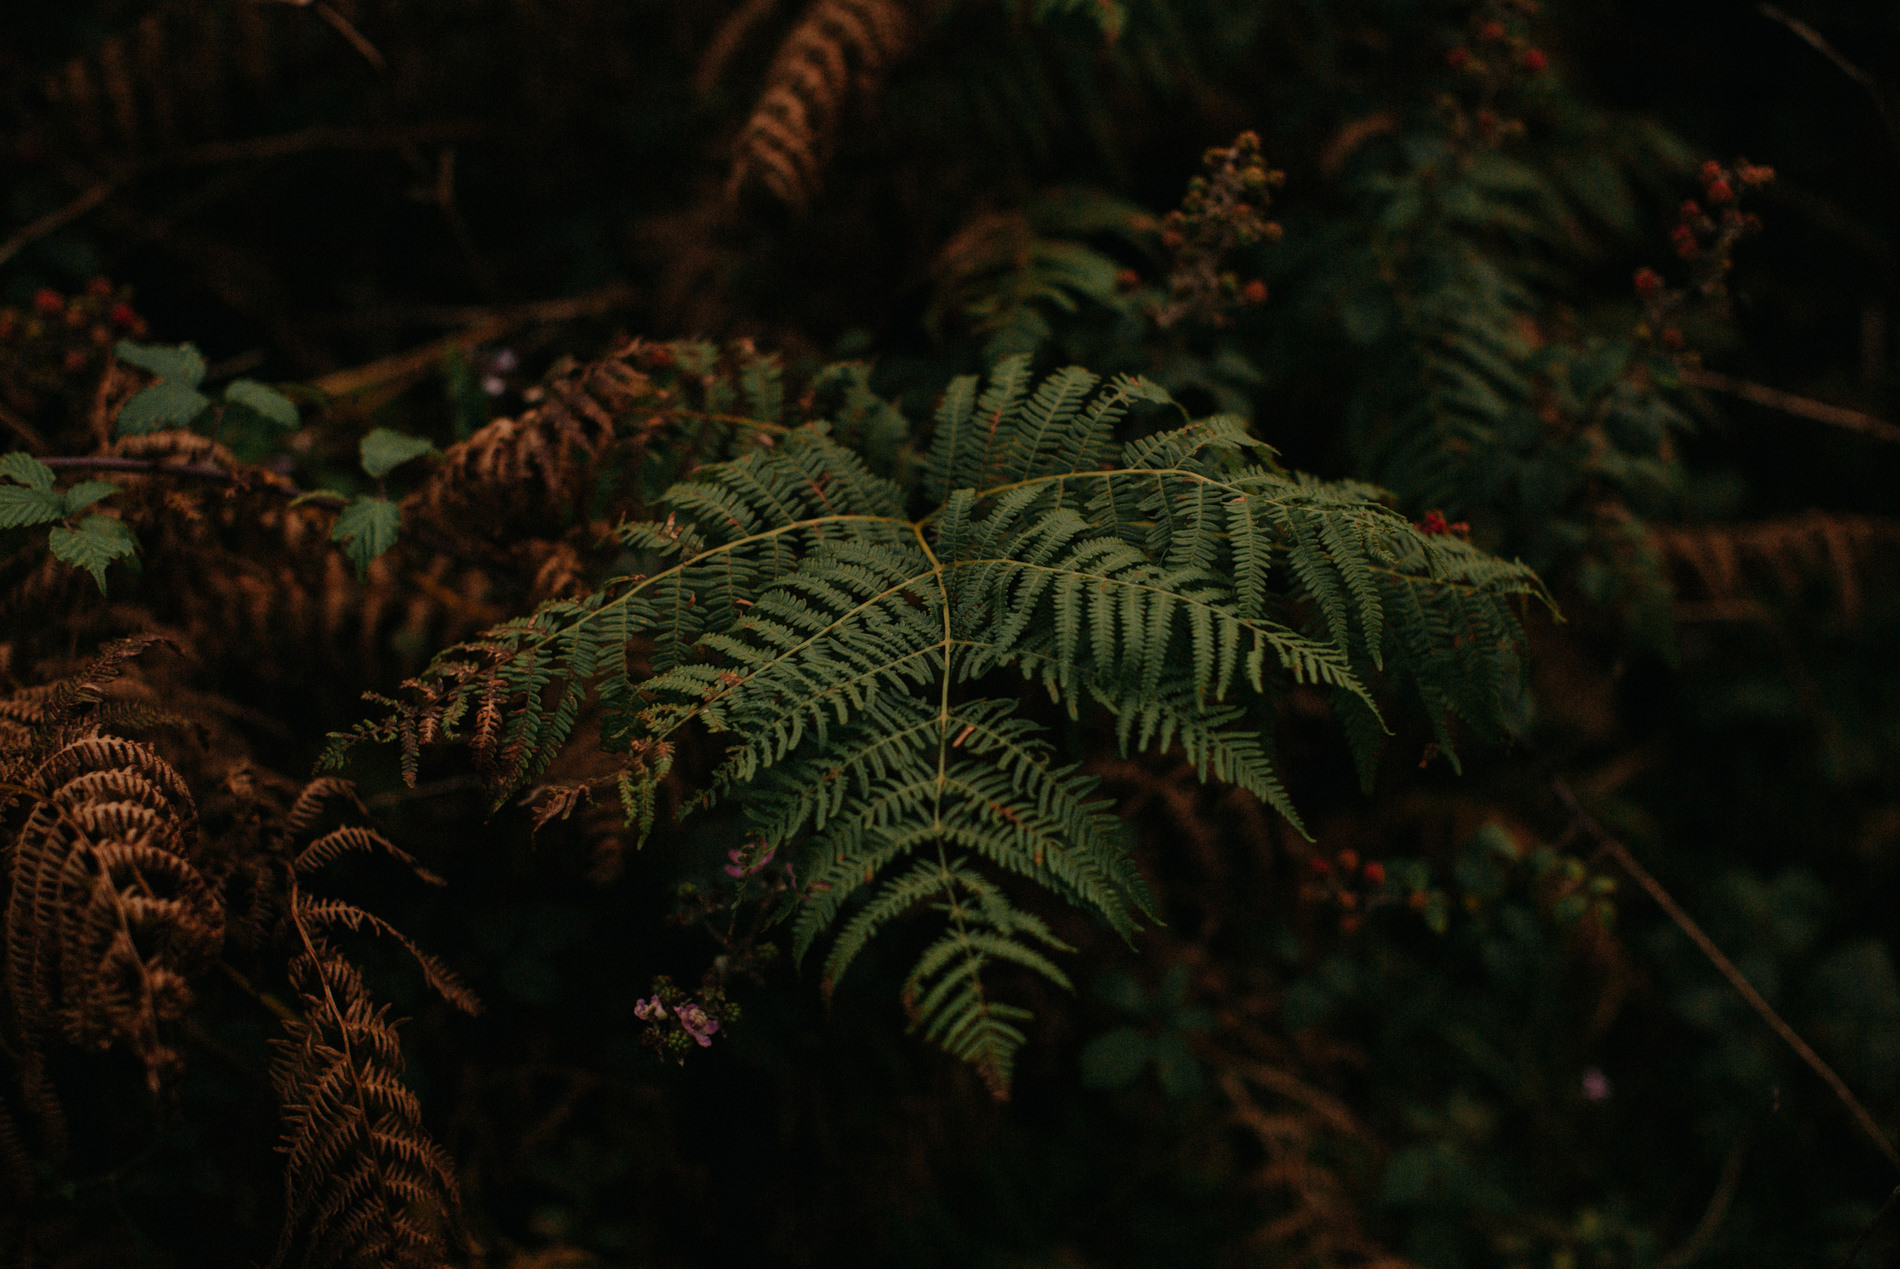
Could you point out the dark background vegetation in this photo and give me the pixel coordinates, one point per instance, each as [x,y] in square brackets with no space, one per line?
[1345,1093]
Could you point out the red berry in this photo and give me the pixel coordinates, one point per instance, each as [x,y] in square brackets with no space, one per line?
[1487,122]
[49,301]
[1348,859]
[1255,292]
[75,360]
[1648,283]
[1671,338]
[1491,32]
[9,324]
[1458,58]
[1320,866]
[1374,874]
[99,288]
[1686,245]
[1434,522]
[1719,192]
[121,314]
[1172,240]
[1711,171]
[1535,61]
[1691,209]
[1127,279]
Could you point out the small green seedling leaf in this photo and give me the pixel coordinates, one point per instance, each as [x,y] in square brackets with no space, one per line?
[367,528]
[265,402]
[97,542]
[162,405]
[182,365]
[384,451]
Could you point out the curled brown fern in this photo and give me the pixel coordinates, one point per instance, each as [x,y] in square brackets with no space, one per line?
[835,57]
[107,914]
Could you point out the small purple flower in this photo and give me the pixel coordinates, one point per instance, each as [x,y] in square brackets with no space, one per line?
[697,1023]
[648,1010]
[504,360]
[494,385]
[739,867]
[1596,1085]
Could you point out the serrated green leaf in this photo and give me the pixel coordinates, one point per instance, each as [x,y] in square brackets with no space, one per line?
[1114,1058]
[97,542]
[162,405]
[87,492]
[26,469]
[182,365]
[267,403]
[367,528]
[28,506]
[383,451]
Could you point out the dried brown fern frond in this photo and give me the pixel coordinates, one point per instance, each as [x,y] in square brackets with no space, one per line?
[834,58]
[526,476]
[107,913]
[1733,565]
[1275,1097]
[364,1184]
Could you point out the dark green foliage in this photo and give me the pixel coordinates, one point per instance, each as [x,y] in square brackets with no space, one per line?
[789,605]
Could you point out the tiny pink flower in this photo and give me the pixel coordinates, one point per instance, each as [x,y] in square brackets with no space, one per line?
[648,1010]
[1596,1085]
[697,1023]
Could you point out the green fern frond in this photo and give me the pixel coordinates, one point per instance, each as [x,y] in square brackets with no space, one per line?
[846,653]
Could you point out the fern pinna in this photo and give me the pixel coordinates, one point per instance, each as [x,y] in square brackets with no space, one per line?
[849,638]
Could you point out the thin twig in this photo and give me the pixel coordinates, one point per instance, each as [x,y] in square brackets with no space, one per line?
[1789,403]
[483,325]
[1615,849]
[272,147]
[199,471]
[1820,45]
[1714,1214]
[1854,1251]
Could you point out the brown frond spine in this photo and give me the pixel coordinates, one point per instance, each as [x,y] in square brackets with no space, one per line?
[835,57]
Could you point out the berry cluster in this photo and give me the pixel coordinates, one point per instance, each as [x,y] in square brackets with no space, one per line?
[1495,58]
[57,337]
[1348,883]
[1704,237]
[1435,523]
[1224,211]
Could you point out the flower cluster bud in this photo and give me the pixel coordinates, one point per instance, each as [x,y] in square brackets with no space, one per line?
[1224,211]
[1435,523]
[676,1021]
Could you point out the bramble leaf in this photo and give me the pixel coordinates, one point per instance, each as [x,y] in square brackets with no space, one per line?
[367,528]
[162,405]
[265,402]
[383,451]
[97,542]
[182,365]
